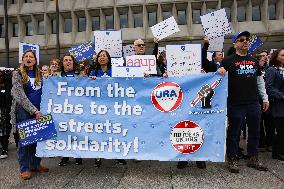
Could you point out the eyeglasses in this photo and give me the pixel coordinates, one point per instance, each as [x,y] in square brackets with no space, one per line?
[243,39]
[141,45]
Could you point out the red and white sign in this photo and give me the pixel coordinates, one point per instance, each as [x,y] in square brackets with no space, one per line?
[187,137]
[147,62]
[167,96]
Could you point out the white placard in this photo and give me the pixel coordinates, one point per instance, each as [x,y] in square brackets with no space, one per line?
[216,24]
[128,50]
[165,28]
[183,59]
[148,62]
[110,41]
[26,46]
[216,44]
[115,62]
[161,49]
[127,71]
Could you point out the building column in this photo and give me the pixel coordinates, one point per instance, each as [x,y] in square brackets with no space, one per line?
[159,14]
[234,11]
[102,20]
[74,26]
[249,11]
[189,18]
[279,10]
[34,25]
[203,8]
[264,13]
[174,11]
[88,25]
[145,20]
[130,18]
[116,18]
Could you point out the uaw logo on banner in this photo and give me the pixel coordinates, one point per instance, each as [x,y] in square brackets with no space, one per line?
[187,137]
[205,94]
[167,96]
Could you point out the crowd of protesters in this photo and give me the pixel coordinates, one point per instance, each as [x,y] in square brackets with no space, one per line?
[255,99]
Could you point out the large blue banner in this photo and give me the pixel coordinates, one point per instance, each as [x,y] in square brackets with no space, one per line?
[162,119]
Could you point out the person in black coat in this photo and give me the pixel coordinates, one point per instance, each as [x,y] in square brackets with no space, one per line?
[275,90]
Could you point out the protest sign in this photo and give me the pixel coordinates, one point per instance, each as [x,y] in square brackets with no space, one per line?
[161,49]
[216,44]
[215,24]
[117,62]
[26,46]
[147,62]
[128,71]
[254,43]
[36,130]
[83,51]
[128,50]
[183,59]
[165,28]
[172,119]
[110,40]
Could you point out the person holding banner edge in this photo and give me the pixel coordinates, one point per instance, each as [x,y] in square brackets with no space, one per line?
[102,68]
[207,66]
[242,102]
[26,93]
[70,68]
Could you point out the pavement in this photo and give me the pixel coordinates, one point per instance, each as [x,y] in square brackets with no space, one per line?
[144,174]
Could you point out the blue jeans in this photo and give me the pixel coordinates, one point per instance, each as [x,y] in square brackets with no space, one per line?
[26,154]
[237,115]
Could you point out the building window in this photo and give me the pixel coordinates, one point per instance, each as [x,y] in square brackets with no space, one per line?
[40,29]
[166,14]
[29,28]
[15,30]
[1,2]
[256,13]
[14,1]
[152,18]
[28,1]
[53,25]
[109,22]
[2,31]
[81,24]
[138,20]
[123,21]
[196,16]
[95,23]
[181,17]
[228,13]
[241,14]
[67,25]
[272,11]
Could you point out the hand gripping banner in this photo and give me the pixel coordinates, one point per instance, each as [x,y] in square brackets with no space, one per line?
[170,119]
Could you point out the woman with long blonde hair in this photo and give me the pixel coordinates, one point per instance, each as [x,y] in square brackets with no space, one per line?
[26,92]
